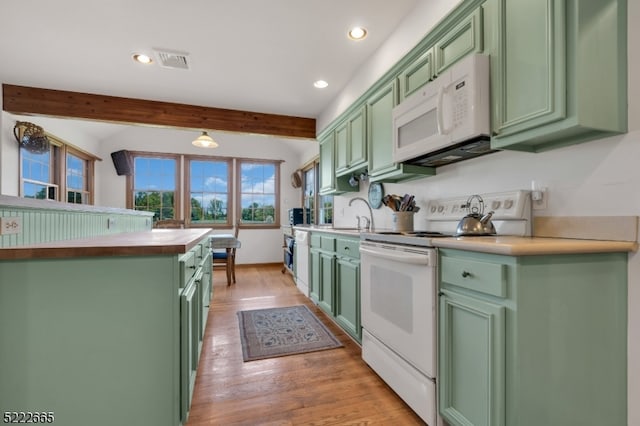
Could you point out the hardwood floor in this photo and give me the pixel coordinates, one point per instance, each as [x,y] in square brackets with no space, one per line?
[331,387]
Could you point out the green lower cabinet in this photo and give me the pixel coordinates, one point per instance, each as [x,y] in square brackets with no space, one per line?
[327,283]
[472,349]
[314,274]
[104,341]
[533,340]
[335,279]
[348,296]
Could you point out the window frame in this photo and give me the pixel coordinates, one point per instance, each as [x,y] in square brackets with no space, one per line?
[238,192]
[177,197]
[187,191]
[317,198]
[59,149]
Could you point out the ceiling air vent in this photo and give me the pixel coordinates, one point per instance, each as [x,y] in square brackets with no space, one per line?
[170,59]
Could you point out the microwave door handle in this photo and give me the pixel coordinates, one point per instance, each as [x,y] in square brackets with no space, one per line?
[440,113]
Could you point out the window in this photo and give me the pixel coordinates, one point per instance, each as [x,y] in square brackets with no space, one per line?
[78,186]
[62,173]
[258,192]
[320,206]
[154,187]
[38,174]
[309,192]
[208,189]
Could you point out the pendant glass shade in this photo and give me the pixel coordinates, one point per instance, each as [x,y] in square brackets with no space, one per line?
[205,141]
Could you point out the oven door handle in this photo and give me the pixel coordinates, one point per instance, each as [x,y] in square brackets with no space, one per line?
[404,256]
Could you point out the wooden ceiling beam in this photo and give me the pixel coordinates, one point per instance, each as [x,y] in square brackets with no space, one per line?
[58,103]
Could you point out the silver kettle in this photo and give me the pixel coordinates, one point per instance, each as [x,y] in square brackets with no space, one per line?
[475,223]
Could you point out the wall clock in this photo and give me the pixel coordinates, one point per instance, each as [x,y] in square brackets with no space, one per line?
[376,192]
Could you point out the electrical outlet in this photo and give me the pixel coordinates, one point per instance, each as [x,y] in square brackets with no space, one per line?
[111,223]
[539,199]
[10,225]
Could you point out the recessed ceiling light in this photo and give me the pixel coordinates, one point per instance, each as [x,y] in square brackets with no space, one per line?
[320,84]
[357,33]
[142,58]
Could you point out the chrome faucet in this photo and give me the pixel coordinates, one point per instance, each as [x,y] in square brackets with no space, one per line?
[369,223]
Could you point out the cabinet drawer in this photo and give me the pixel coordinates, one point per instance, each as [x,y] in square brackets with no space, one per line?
[187,267]
[348,248]
[484,277]
[327,243]
[315,240]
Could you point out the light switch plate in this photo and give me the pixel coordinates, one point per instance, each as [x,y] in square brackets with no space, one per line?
[10,225]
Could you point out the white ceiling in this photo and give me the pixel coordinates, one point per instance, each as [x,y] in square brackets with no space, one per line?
[254,55]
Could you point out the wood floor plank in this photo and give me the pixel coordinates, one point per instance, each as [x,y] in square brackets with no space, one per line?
[330,387]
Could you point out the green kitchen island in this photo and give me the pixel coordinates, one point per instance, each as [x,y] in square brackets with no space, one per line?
[104,330]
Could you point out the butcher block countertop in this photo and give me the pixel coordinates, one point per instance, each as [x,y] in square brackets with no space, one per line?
[153,242]
[526,246]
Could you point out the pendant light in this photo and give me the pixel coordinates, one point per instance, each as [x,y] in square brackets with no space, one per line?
[205,141]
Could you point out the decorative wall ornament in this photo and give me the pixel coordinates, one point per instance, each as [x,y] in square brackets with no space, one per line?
[31,137]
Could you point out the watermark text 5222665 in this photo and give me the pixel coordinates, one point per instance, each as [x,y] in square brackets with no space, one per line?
[32,417]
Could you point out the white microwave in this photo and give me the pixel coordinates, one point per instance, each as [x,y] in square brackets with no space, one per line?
[447,120]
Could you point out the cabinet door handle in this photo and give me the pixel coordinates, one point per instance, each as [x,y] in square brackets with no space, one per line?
[466,274]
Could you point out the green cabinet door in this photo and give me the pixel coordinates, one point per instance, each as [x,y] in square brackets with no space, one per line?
[327,164]
[463,39]
[348,296]
[314,274]
[357,140]
[531,79]
[549,87]
[329,182]
[327,282]
[416,74]
[379,130]
[342,147]
[350,144]
[472,364]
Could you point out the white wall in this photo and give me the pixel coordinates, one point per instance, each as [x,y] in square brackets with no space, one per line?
[258,246]
[591,179]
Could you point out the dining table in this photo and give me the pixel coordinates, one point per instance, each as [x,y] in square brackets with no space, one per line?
[228,242]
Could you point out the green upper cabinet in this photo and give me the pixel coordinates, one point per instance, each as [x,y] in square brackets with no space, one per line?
[558,72]
[351,146]
[379,130]
[329,183]
[416,74]
[379,140]
[463,39]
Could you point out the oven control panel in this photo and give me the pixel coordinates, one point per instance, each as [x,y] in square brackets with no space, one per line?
[510,205]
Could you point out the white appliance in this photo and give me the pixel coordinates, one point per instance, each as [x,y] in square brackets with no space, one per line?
[398,311]
[448,119]
[399,302]
[302,261]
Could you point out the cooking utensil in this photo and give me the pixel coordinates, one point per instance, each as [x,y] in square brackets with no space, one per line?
[475,223]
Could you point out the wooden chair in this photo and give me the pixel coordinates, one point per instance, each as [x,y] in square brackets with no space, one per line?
[227,258]
[169,224]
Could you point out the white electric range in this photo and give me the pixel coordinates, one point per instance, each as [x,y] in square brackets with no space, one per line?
[399,294]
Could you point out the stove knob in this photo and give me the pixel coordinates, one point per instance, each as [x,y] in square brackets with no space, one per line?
[433,209]
[508,204]
[495,205]
[440,209]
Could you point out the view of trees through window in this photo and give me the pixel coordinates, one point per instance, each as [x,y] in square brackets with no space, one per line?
[258,192]
[154,186]
[209,191]
[77,189]
[62,173]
